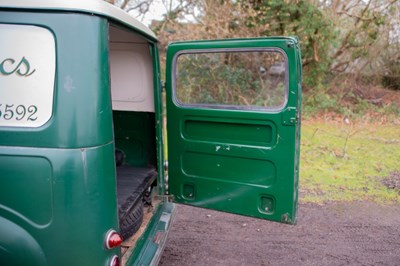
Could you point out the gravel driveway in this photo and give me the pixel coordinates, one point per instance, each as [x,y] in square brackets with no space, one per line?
[357,233]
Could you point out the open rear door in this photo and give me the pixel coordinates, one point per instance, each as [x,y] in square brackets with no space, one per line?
[233,109]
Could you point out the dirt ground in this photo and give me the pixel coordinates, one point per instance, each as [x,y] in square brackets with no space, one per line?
[357,233]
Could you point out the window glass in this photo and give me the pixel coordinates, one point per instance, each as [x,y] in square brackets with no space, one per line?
[237,79]
[27,73]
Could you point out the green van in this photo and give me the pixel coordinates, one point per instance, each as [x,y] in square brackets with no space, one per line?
[84,178]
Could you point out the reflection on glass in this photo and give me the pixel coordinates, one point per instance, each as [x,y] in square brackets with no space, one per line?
[244,79]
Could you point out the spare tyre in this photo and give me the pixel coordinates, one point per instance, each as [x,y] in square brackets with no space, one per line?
[130,222]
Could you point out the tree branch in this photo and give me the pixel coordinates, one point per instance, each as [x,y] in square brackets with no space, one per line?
[355,16]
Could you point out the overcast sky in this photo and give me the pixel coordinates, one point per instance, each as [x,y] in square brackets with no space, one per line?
[156,11]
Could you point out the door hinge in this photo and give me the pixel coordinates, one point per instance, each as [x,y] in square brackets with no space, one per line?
[166,184]
[166,177]
[290,116]
[162,85]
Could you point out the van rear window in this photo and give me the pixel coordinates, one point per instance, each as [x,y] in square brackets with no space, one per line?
[27,71]
[239,79]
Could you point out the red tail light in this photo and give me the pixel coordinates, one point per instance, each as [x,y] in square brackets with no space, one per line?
[114,261]
[113,240]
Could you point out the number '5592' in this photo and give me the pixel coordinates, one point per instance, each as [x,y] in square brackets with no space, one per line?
[18,112]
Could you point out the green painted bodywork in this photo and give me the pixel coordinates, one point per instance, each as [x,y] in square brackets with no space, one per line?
[57,182]
[159,119]
[243,161]
[59,199]
[81,73]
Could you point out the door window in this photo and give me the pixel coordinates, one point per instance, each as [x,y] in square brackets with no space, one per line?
[239,79]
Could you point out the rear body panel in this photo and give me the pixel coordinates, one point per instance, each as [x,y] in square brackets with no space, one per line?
[56,203]
[81,72]
[60,199]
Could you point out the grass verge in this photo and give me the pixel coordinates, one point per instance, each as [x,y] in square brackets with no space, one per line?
[347,162]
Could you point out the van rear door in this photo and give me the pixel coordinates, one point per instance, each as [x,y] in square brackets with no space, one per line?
[233,109]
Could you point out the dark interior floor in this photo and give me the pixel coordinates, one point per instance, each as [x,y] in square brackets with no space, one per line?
[131,185]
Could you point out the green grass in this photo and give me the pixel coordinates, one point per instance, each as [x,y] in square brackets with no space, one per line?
[342,162]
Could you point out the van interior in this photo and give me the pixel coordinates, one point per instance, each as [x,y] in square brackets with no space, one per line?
[132,91]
